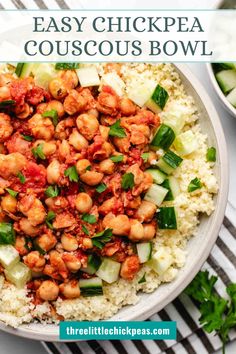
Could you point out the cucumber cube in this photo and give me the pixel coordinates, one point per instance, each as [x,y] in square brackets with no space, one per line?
[115,82]
[156,194]
[232,97]
[88,76]
[8,256]
[186,143]
[161,260]
[109,270]
[19,274]
[226,79]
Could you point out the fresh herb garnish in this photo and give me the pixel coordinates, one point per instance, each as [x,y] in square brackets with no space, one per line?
[66,66]
[71,172]
[101,187]
[89,218]
[127,181]
[38,152]
[217,313]
[7,234]
[143,279]
[117,130]
[53,115]
[211,154]
[11,192]
[7,103]
[21,177]
[27,137]
[38,248]
[85,230]
[117,158]
[99,240]
[145,156]
[51,216]
[88,168]
[194,185]
[52,191]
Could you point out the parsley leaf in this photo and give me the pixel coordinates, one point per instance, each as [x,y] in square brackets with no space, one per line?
[117,130]
[211,154]
[99,240]
[88,168]
[85,230]
[66,66]
[27,137]
[11,192]
[21,177]
[53,115]
[7,234]
[143,279]
[38,152]
[101,187]
[194,185]
[117,158]
[89,218]
[71,172]
[145,156]
[51,216]
[217,313]
[52,192]
[127,181]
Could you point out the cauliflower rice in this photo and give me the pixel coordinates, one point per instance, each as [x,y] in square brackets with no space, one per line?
[16,307]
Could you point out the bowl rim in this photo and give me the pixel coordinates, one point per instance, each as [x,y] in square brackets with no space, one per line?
[51,332]
[222,98]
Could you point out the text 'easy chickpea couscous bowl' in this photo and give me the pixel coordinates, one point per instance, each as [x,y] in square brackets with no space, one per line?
[107,171]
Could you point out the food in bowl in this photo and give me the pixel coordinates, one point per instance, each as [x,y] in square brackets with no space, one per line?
[225,74]
[104,174]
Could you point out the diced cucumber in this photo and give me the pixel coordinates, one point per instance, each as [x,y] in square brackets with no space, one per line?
[186,143]
[94,263]
[161,260]
[88,76]
[176,116]
[166,218]
[115,82]
[158,99]
[156,194]
[157,175]
[164,167]
[144,251]
[8,256]
[226,79]
[19,274]
[172,185]
[163,138]
[232,97]
[141,94]
[44,73]
[109,270]
[91,287]
[26,69]
[169,162]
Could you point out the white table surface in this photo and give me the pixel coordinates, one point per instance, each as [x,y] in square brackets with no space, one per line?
[12,345]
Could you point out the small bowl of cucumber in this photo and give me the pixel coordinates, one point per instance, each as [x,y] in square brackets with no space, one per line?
[223,79]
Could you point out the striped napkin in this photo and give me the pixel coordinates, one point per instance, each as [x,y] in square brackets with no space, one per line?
[191,339]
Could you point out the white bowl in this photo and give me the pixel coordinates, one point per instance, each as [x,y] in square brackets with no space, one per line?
[198,247]
[222,98]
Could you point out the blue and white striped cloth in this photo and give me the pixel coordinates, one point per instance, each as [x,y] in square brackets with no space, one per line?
[191,339]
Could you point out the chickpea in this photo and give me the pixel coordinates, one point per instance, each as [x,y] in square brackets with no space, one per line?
[149,232]
[57,105]
[24,111]
[6,79]
[137,172]
[87,243]
[58,263]
[77,140]
[104,131]
[5,93]
[64,149]
[33,208]
[41,127]
[74,102]
[92,178]
[28,228]
[88,125]
[57,204]
[69,242]
[71,262]
[81,166]
[122,144]
[2,149]
[127,107]
[9,204]
[48,290]
[62,130]
[70,289]
[6,128]
[48,148]
[119,224]
[53,172]
[94,112]
[35,261]
[57,89]
[11,164]
[69,78]
[20,245]
[130,267]
[146,211]
[46,241]
[107,103]
[107,166]
[83,203]
[136,231]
